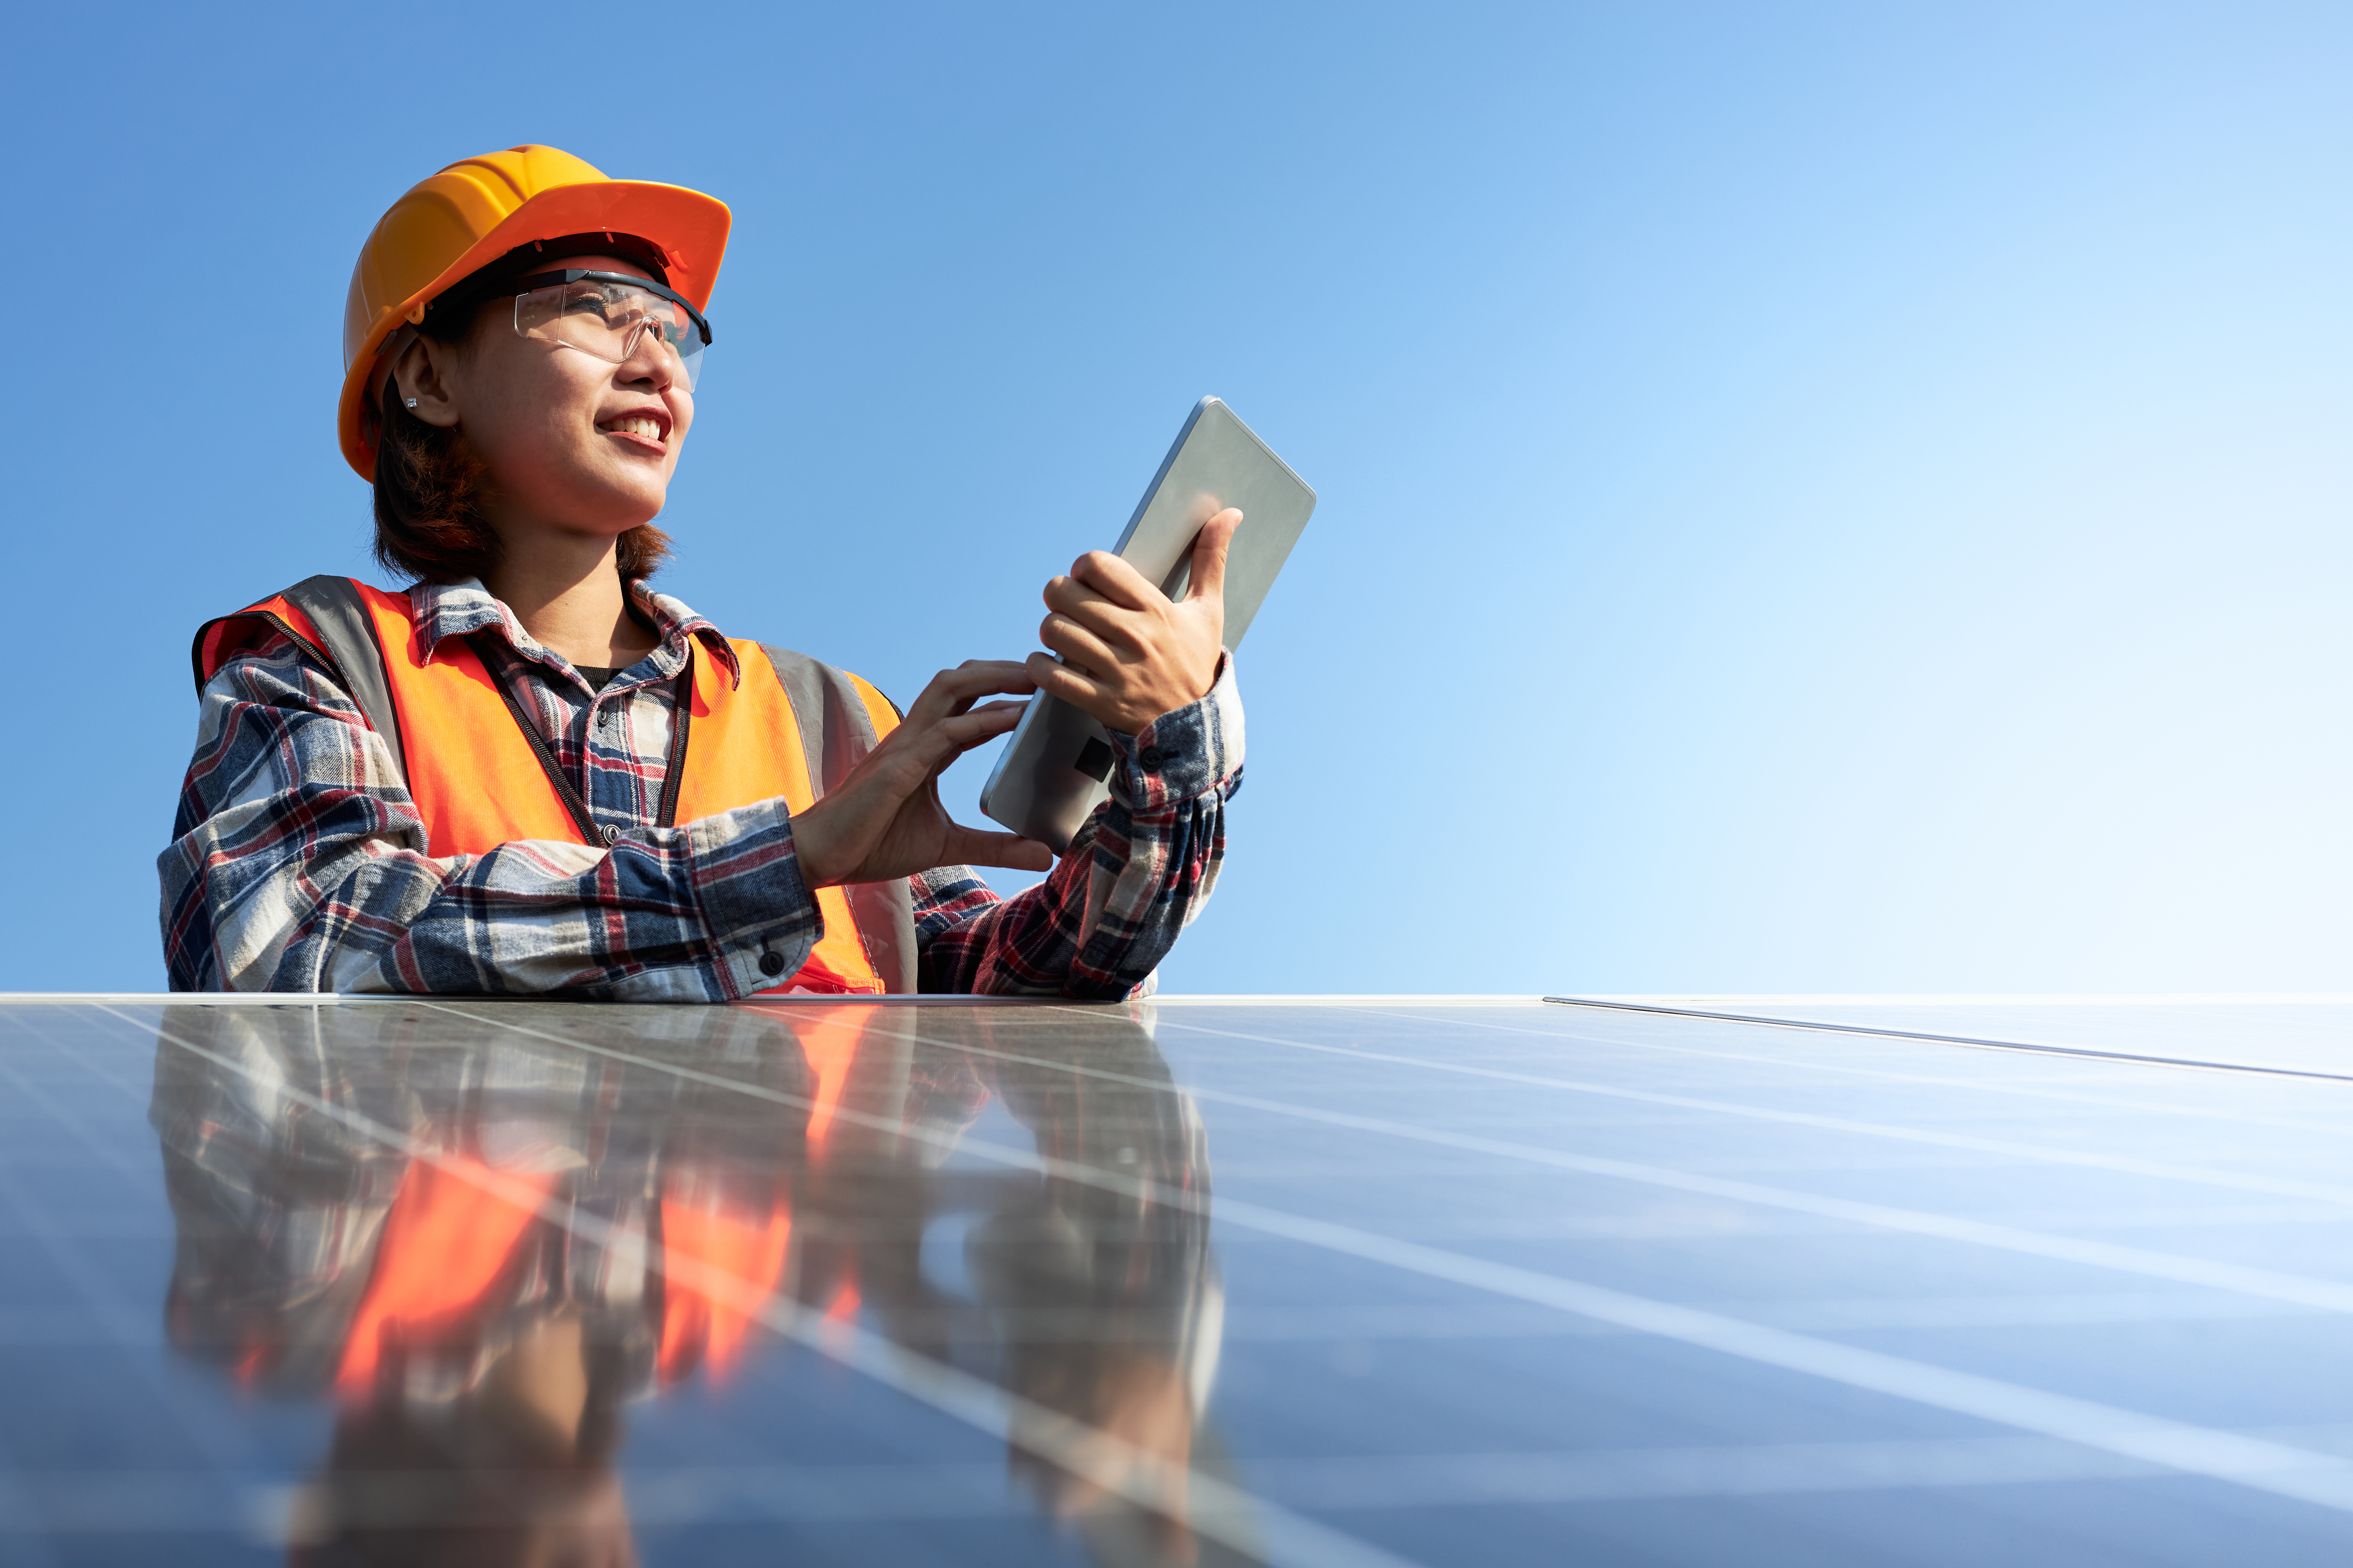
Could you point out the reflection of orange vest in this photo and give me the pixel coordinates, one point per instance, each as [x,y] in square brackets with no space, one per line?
[446,1240]
[790,727]
[749,1245]
[448,1245]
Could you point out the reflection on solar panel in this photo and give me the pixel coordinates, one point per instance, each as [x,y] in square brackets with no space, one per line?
[1336,1281]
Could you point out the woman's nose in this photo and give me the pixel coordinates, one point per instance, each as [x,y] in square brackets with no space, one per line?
[650,360]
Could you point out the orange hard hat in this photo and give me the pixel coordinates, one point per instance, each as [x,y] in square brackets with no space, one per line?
[475,211]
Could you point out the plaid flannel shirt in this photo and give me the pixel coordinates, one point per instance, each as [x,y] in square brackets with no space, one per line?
[299,861]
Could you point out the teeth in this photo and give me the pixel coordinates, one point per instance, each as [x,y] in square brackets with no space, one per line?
[644,425]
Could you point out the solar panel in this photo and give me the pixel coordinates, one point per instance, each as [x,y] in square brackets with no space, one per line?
[1321,1281]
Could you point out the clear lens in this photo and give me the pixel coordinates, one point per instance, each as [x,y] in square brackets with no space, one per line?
[609,320]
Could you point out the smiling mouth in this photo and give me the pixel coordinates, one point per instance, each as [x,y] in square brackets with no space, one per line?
[643,425]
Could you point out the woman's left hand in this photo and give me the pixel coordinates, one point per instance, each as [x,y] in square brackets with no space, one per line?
[884,821]
[1129,652]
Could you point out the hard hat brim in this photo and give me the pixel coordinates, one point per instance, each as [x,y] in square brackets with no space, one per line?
[690,227]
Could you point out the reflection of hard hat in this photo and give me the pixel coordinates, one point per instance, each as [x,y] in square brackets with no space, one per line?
[474,212]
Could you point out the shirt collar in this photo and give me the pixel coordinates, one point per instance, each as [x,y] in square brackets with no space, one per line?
[446,610]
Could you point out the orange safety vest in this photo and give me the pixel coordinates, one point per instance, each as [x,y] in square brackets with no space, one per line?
[788,727]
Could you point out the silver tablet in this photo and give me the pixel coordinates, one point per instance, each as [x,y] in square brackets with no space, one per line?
[1053,769]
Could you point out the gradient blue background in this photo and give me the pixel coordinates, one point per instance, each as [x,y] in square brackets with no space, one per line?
[1813,497]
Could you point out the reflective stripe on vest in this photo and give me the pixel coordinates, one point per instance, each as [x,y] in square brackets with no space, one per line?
[790,727]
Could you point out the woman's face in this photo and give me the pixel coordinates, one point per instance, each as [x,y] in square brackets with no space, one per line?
[572,442]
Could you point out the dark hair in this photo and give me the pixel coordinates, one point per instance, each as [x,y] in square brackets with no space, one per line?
[429,485]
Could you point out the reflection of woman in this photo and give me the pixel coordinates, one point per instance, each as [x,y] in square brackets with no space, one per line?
[478,1348]
[479,1339]
[530,773]
[518,1469]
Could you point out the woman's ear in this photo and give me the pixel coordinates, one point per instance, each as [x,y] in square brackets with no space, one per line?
[421,380]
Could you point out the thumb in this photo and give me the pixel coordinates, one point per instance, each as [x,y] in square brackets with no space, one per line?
[970,847]
[1209,548]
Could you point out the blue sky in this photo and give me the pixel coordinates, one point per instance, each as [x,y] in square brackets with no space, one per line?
[1813,497]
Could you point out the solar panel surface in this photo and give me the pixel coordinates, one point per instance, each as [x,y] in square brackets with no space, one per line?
[1331,1282]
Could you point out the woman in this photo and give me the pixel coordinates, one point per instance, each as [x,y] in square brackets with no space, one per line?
[530,773]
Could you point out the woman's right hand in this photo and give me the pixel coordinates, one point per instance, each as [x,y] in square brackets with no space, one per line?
[885,820]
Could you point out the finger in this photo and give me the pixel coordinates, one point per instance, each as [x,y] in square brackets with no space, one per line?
[914,751]
[953,690]
[989,732]
[1068,596]
[1062,680]
[1123,635]
[1114,579]
[965,731]
[1116,623]
[1209,556]
[970,847]
[1013,710]
[1080,646]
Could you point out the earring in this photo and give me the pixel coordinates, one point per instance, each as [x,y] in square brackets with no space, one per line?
[412,403]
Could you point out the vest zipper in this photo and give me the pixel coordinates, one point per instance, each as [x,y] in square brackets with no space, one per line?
[682,715]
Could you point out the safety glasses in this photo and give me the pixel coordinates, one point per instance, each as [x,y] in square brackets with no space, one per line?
[607,314]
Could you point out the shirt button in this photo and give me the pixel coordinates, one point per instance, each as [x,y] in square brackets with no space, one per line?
[772,963]
[1150,759]
[612,835]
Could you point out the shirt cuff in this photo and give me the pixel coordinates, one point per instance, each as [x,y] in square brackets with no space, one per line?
[760,918]
[1182,754]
